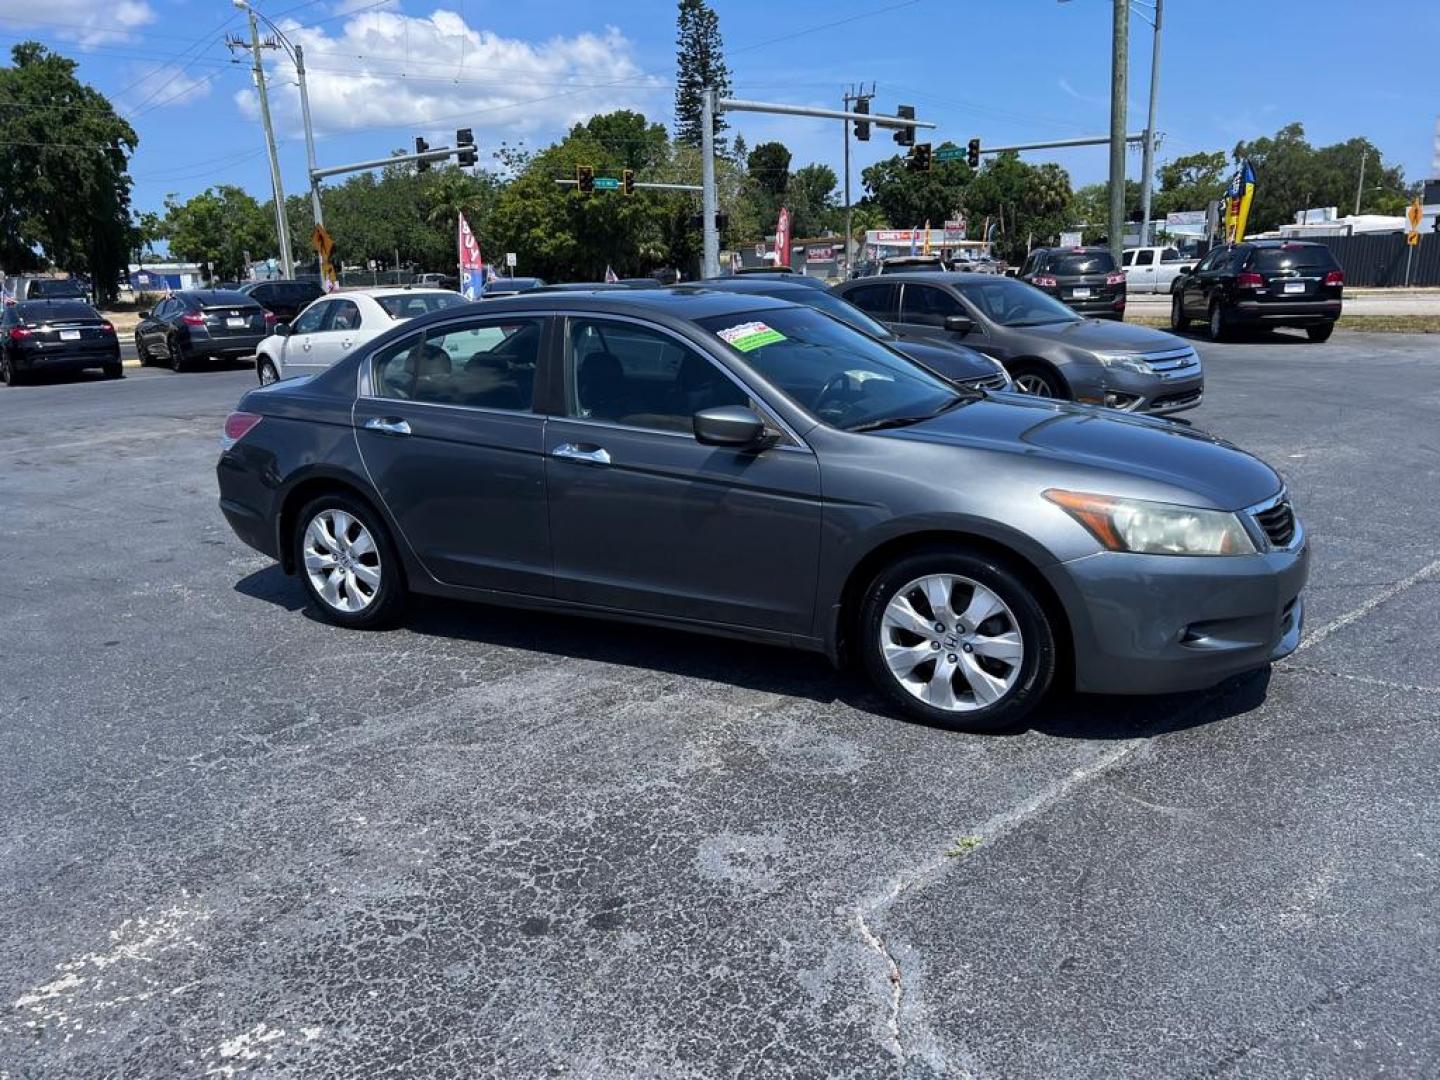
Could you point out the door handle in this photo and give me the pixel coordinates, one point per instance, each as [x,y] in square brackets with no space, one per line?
[347,342]
[305,345]
[592,455]
[387,426]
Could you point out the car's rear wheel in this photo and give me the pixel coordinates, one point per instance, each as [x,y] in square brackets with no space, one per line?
[8,374]
[1039,381]
[957,639]
[178,362]
[1178,321]
[348,564]
[1321,332]
[1219,326]
[114,371]
[266,371]
[140,352]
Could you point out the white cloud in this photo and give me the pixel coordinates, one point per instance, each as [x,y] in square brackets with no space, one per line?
[389,70]
[158,87]
[88,22]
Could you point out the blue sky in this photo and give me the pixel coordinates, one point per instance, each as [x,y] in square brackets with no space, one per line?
[1003,70]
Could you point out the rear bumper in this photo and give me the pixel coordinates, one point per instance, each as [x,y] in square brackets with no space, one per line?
[1286,313]
[1151,624]
[55,359]
[227,348]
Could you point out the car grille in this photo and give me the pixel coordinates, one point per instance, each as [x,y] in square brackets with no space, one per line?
[998,381]
[1278,522]
[1173,363]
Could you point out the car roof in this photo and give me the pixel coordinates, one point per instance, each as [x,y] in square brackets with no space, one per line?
[279,281]
[928,277]
[41,306]
[1280,243]
[391,290]
[752,283]
[682,302]
[204,296]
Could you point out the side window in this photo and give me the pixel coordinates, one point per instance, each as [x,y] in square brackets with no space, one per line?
[1169,255]
[344,315]
[483,363]
[1211,261]
[877,301]
[1145,257]
[928,306]
[630,375]
[1128,259]
[312,318]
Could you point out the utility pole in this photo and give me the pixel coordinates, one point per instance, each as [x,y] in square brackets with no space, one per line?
[282,226]
[1146,177]
[709,198]
[315,208]
[1119,66]
[1360,187]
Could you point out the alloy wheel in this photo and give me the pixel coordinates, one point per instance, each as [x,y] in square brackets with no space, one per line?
[951,642]
[268,374]
[1032,382]
[341,560]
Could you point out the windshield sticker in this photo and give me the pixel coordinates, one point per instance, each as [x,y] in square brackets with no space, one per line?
[750,335]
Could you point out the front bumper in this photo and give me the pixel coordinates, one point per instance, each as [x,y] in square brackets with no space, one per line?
[1153,395]
[1153,624]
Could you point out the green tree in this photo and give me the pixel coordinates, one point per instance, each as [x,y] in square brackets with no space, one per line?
[768,167]
[811,197]
[628,139]
[1190,182]
[908,199]
[220,227]
[1030,203]
[64,184]
[699,62]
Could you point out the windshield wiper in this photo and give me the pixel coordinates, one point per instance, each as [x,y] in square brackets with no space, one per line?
[903,421]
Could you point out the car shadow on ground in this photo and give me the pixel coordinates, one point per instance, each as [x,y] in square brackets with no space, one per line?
[1257,336]
[768,669]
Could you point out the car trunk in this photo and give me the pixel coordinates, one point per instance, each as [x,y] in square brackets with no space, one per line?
[232,321]
[70,335]
[1295,275]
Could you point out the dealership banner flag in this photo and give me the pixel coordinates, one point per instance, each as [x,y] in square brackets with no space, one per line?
[1237,202]
[927,236]
[472,266]
[782,238]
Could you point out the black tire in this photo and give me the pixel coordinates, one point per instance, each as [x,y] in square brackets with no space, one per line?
[140,353]
[389,598]
[114,371]
[9,375]
[1218,325]
[179,362]
[1178,321]
[1040,381]
[264,366]
[1320,333]
[1036,669]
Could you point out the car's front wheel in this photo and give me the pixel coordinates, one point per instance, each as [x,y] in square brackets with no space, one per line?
[1039,381]
[348,564]
[957,639]
[1219,326]
[266,371]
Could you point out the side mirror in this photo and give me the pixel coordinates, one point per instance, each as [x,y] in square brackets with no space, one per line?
[145,314]
[282,329]
[959,324]
[728,425]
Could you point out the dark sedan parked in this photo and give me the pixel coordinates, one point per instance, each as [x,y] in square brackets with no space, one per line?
[1085,279]
[1047,348]
[1261,283]
[740,465]
[206,324]
[953,363]
[55,335]
[283,299]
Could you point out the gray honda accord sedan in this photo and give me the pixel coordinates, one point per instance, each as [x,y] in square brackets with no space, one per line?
[745,466]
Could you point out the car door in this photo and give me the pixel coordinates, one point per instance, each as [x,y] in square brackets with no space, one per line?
[299,354]
[1203,282]
[336,336]
[923,311]
[644,518]
[447,430]
[1140,277]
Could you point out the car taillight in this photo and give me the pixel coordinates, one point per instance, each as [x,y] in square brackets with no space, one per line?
[1335,277]
[1115,278]
[269,318]
[1248,279]
[107,328]
[238,425]
[193,319]
[1044,280]
[20,333]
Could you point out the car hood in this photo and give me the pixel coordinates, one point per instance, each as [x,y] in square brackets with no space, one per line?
[944,360]
[1198,467]
[1104,334]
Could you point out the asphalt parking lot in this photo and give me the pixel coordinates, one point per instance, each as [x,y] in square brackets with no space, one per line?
[235,841]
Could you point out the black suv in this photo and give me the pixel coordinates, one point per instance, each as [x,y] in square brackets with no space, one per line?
[1261,283]
[283,299]
[1085,279]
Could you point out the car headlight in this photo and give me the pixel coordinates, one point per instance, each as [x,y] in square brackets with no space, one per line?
[1154,528]
[1127,361]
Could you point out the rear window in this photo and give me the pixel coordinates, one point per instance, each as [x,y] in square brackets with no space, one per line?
[1277,260]
[1082,262]
[409,305]
[54,310]
[44,289]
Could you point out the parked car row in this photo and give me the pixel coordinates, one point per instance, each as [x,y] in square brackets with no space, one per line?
[721,459]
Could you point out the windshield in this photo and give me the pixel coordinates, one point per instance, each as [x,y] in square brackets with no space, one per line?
[843,310]
[409,305]
[1014,303]
[833,372]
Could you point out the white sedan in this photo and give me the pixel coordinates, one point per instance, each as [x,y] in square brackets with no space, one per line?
[335,324]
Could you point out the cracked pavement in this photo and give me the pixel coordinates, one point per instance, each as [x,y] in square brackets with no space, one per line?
[236,842]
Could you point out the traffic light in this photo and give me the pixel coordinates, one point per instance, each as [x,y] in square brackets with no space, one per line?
[585,178]
[862,127]
[420,147]
[920,157]
[905,136]
[627,181]
[465,152]
[972,154]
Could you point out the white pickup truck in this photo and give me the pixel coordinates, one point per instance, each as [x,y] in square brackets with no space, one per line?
[1153,269]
